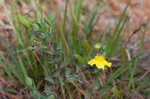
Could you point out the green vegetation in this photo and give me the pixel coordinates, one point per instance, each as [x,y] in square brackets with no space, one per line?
[51,56]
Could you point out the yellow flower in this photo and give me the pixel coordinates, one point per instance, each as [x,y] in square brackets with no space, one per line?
[100,62]
[97,46]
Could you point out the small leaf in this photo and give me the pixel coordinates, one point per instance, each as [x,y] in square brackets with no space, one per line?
[79,58]
[116,92]
[67,72]
[23,20]
[50,80]
[29,81]
[51,97]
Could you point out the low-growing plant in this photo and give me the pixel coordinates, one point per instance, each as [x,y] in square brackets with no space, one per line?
[51,60]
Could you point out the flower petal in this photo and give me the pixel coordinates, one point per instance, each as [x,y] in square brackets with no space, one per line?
[100,62]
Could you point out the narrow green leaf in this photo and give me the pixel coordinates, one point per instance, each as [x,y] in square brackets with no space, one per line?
[23,20]
[131,81]
[116,92]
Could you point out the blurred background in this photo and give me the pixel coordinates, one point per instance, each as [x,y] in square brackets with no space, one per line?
[108,12]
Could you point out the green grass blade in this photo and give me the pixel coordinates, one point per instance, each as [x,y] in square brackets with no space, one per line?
[37,9]
[131,81]
[21,41]
[5,66]
[112,43]
[118,72]
[89,23]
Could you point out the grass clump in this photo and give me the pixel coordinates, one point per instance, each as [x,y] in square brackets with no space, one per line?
[51,56]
